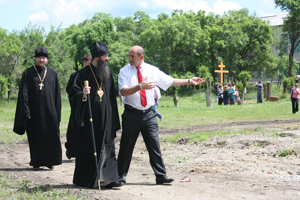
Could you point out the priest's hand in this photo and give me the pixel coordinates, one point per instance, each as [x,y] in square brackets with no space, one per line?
[196,81]
[86,91]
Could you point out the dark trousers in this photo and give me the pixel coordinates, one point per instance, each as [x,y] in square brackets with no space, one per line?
[134,122]
[220,101]
[259,97]
[295,103]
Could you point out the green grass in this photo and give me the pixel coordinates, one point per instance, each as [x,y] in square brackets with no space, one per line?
[7,117]
[287,152]
[11,187]
[192,111]
[192,137]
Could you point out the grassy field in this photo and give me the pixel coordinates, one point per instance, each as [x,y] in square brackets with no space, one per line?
[192,111]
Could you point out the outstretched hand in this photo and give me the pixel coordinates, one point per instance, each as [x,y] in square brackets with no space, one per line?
[196,81]
[147,85]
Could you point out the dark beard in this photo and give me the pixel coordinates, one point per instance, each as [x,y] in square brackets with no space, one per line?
[102,70]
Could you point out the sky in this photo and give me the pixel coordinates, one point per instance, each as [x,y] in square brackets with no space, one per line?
[15,15]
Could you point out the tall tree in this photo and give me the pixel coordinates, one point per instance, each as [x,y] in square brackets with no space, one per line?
[171,45]
[17,51]
[247,43]
[59,57]
[99,28]
[291,26]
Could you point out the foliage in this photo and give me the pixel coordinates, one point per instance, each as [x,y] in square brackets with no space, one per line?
[287,84]
[182,44]
[59,57]
[244,77]
[287,152]
[283,67]
[3,86]
[291,27]
[204,72]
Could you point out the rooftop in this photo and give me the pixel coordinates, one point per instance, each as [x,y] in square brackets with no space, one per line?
[275,20]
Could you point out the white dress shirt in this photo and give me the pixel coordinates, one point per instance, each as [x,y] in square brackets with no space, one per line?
[128,78]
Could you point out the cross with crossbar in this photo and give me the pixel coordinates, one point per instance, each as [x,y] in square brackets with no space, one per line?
[222,71]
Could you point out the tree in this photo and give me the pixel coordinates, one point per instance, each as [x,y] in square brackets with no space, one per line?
[3,87]
[102,30]
[171,45]
[204,73]
[143,21]
[213,42]
[247,43]
[126,24]
[291,27]
[244,77]
[17,50]
[118,58]
[59,57]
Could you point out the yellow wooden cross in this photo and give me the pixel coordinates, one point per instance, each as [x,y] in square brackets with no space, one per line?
[222,71]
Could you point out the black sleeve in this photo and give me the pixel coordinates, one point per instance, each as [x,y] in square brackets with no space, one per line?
[75,97]
[22,110]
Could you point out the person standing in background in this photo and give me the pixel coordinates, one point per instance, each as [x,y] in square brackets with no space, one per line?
[72,128]
[260,89]
[220,94]
[225,95]
[295,98]
[231,94]
[157,96]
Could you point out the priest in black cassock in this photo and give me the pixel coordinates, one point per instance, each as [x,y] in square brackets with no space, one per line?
[105,117]
[38,112]
[72,127]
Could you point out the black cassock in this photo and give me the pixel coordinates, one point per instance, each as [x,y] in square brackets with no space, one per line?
[44,108]
[106,123]
[72,126]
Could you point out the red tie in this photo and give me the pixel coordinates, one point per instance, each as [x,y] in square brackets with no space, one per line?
[143,92]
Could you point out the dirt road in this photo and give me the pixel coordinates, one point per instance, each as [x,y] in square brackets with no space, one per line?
[223,167]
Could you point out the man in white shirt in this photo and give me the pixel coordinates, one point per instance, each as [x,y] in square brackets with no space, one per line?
[137,81]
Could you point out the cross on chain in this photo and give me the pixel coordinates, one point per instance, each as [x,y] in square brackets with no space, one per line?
[222,71]
[41,86]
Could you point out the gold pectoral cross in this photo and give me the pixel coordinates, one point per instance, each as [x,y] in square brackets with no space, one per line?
[41,86]
[100,93]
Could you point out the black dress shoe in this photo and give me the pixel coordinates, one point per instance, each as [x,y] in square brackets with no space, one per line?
[163,179]
[36,167]
[68,155]
[114,184]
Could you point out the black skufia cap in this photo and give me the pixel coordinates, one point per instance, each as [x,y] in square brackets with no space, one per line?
[98,49]
[41,51]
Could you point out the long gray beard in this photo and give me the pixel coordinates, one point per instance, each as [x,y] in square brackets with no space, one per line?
[102,71]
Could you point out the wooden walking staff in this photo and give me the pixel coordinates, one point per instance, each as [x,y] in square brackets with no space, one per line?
[86,84]
[222,71]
